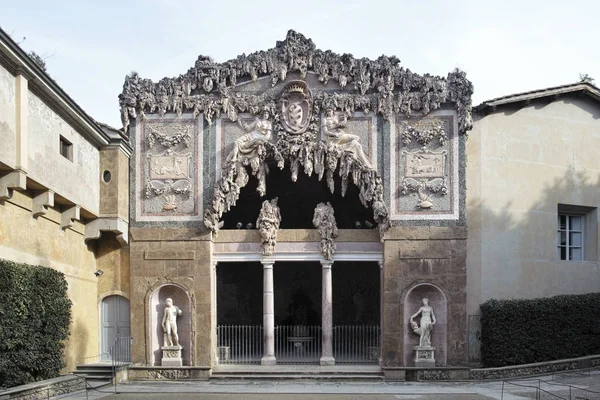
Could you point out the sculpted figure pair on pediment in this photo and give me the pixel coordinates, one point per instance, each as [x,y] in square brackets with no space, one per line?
[295,109]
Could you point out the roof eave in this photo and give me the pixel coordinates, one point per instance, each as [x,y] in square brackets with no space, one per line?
[40,82]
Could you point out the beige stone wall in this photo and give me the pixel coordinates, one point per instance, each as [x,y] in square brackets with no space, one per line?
[76,180]
[41,241]
[171,256]
[7,117]
[523,162]
[114,195]
[424,255]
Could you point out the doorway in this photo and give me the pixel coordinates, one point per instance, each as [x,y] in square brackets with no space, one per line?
[114,311]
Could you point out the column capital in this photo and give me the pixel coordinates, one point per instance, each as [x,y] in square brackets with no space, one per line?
[267,263]
[380,262]
[327,263]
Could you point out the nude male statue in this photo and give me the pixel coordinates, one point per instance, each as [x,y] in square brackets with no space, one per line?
[169,323]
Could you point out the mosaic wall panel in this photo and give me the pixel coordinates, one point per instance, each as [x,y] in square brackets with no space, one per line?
[425,168]
[169,169]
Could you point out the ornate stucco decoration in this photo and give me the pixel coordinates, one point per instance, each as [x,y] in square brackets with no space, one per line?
[295,106]
[267,224]
[424,132]
[425,171]
[324,221]
[181,135]
[380,85]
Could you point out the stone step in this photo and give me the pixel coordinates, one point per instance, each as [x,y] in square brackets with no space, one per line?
[297,377]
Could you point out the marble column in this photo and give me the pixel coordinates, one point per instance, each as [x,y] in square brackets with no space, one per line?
[327,316]
[268,357]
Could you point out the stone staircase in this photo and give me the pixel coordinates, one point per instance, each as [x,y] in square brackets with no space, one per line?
[296,372]
[96,374]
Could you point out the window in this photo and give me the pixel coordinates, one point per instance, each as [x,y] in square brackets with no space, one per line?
[570,237]
[577,233]
[66,149]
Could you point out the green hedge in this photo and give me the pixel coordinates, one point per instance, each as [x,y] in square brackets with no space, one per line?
[527,331]
[34,322]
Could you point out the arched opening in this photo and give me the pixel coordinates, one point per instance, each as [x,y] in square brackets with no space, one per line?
[412,303]
[297,202]
[184,322]
[115,323]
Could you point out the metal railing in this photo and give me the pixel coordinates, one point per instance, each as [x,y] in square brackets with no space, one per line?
[356,344]
[575,392]
[239,344]
[120,353]
[297,344]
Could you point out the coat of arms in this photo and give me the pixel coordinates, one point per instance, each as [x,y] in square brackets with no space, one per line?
[295,107]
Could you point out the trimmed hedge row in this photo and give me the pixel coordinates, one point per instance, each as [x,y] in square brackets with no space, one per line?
[528,331]
[34,323]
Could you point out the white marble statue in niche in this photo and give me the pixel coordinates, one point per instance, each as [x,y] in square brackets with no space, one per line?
[426,324]
[259,131]
[334,130]
[169,323]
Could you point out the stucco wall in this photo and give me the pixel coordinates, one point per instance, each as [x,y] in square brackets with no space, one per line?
[42,242]
[76,180]
[7,117]
[523,162]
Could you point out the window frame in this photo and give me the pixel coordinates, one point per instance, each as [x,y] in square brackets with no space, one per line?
[65,148]
[568,231]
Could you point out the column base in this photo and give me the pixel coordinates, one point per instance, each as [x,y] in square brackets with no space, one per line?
[268,360]
[327,360]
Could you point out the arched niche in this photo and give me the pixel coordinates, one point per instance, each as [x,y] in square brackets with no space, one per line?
[184,323]
[412,303]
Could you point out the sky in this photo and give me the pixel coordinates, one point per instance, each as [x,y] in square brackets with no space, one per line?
[504,46]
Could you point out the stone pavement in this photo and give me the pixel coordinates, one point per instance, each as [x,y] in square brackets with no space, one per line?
[514,389]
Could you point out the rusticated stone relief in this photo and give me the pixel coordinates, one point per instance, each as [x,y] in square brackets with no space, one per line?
[324,221]
[288,119]
[381,85]
[426,168]
[168,169]
[297,145]
[267,224]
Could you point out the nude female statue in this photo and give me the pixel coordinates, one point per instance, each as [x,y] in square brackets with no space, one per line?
[335,122]
[426,323]
[259,131]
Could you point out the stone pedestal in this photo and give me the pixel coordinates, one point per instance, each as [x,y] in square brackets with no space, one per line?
[171,356]
[424,356]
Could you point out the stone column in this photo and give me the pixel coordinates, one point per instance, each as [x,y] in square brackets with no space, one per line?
[268,357]
[380,312]
[327,315]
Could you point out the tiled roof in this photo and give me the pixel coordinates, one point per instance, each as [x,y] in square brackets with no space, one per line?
[585,88]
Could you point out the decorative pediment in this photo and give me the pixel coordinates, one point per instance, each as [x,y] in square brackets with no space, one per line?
[380,85]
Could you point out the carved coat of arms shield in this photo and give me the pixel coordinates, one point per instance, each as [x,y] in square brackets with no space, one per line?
[295,106]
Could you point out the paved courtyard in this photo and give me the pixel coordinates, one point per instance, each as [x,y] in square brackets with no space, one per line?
[582,386]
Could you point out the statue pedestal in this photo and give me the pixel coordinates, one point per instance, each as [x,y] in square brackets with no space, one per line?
[424,356]
[171,356]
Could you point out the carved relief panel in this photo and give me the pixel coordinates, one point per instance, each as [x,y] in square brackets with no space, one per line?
[425,167]
[168,170]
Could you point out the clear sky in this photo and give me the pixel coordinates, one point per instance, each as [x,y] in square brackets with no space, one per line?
[505,46]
